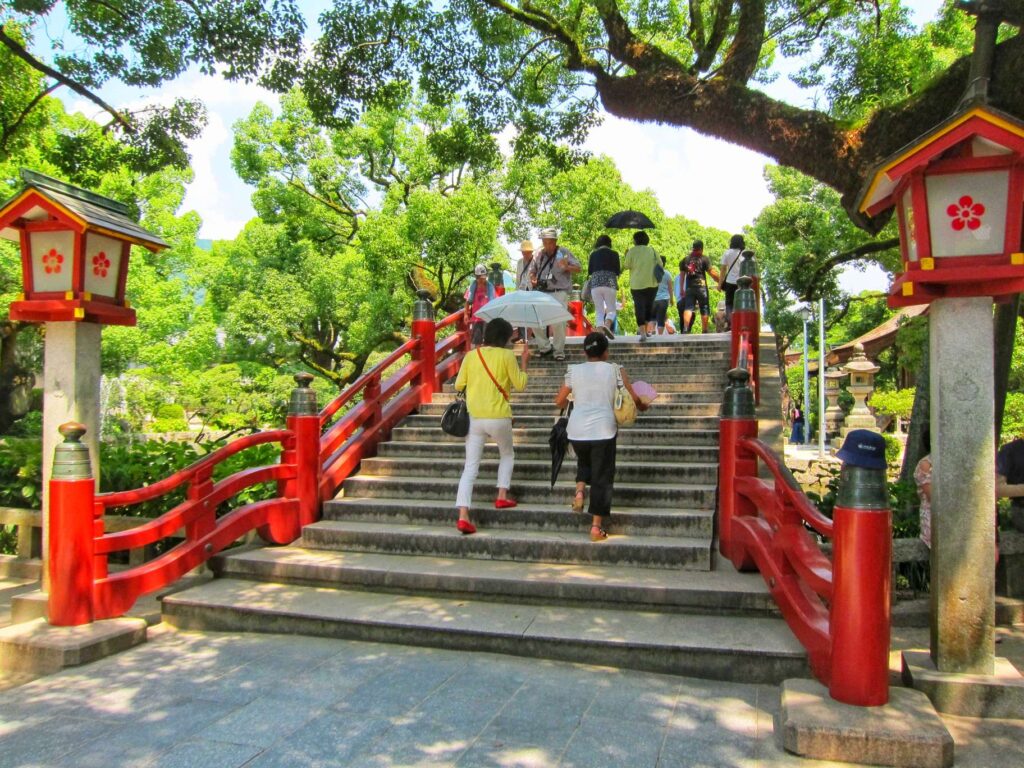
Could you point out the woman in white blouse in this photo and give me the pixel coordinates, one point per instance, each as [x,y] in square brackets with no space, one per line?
[592,428]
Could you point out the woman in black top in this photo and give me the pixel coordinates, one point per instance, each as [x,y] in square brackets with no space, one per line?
[604,270]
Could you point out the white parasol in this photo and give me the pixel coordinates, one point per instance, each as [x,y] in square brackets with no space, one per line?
[531,309]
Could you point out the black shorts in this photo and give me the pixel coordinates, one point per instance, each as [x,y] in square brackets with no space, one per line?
[697,297]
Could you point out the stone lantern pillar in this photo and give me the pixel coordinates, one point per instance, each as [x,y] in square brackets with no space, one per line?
[833,413]
[862,383]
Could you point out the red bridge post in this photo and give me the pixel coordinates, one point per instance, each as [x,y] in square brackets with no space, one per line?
[739,420]
[859,618]
[425,329]
[746,323]
[304,424]
[71,549]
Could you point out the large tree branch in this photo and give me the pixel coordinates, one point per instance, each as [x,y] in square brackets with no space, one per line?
[742,57]
[626,46]
[719,30]
[18,50]
[577,58]
[826,266]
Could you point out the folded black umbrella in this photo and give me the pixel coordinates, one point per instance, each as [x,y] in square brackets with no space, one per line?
[559,442]
[629,220]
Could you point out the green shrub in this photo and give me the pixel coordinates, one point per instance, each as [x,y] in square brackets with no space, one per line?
[21,472]
[893,450]
[1013,417]
[170,417]
[893,402]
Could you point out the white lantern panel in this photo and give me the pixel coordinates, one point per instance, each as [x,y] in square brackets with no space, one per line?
[967,212]
[102,264]
[909,226]
[53,260]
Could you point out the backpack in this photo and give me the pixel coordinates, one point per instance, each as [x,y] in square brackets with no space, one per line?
[659,273]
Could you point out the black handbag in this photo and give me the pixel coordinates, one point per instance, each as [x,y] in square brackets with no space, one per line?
[455,419]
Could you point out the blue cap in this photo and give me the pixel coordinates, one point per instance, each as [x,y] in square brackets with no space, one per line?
[863,448]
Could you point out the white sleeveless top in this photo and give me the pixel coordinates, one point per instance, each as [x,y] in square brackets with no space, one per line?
[593,387]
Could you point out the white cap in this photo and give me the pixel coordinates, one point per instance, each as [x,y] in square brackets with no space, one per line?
[549,233]
[479,269]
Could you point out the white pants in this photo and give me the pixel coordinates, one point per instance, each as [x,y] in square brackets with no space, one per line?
[480,432]
[557,340]
[604,304]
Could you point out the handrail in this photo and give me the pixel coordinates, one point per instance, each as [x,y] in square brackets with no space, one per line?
[162,487]
[332,408]
[791,490]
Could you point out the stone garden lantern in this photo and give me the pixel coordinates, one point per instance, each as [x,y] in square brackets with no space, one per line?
[862,383]
[74,247]
[833,413]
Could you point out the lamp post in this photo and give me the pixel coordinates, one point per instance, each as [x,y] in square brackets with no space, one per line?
[806,313]
[821,378]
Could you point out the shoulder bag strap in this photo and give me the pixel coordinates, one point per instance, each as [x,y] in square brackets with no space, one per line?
[484,364]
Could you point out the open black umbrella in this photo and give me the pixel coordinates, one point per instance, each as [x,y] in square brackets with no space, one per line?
[559,442]
[629,220]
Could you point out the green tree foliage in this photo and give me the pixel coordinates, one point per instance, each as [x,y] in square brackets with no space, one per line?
[82,45]
[892,402]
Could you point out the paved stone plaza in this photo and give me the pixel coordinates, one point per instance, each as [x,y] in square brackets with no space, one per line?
[224,700]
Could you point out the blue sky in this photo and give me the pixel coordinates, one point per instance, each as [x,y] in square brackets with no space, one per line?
[709,180]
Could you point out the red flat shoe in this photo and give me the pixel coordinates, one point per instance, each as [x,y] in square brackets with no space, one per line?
[505,503]
[465,526]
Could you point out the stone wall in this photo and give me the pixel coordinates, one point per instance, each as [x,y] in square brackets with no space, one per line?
[813,474]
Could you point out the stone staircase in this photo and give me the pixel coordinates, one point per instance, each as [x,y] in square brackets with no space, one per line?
[386,563]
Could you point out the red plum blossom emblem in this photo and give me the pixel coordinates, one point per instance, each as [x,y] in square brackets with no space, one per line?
[965,213]
[52,262]
[100,264]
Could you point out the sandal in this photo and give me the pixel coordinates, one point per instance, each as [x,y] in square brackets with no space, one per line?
[598,534]
[577,501]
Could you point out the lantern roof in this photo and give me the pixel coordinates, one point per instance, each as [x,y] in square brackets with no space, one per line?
[859,363]
[991,132]
[86,209]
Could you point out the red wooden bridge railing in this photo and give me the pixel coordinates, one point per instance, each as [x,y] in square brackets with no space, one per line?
[838,609]
[318,452]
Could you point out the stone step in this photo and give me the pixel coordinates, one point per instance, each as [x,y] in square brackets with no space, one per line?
[543,408]
[527,469]
[719,592]
[539,450]
[666,395]
[652,419]
[429,429]
[412,489]
[504,544]
[745,649]
[547,517]
[714,378]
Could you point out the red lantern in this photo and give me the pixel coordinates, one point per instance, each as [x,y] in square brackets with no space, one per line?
[959,197]
[74,252]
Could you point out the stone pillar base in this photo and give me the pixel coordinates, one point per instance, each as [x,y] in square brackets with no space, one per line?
[35,646]
[1000,695]
[905,732]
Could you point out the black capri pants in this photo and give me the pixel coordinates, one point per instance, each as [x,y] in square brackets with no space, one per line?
[643,305]
[595,466]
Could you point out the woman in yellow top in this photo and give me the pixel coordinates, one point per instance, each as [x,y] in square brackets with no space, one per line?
[640,261]
[487,375]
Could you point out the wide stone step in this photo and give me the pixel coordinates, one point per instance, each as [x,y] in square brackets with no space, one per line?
[539,450]
[719,591]
[412,489]
[539,517]
[685,374]
[526,469]
[430,430]
[546,395]
[761,650]
[548,408]
[645,421]
[503,544]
